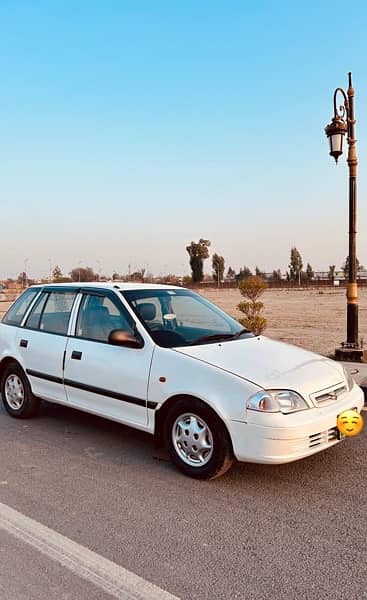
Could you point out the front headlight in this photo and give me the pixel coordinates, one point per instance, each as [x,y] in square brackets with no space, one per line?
[348,378]
[285,401]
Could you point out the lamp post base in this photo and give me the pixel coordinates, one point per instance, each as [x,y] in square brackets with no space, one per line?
[350,354]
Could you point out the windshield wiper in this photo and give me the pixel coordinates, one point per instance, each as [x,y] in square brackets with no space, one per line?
[217,337]
[214,337]
[240,332]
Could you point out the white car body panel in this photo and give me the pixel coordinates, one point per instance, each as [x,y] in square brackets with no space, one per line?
[123,371]
[186,376]
[290,437]
[271,364]
[36,355]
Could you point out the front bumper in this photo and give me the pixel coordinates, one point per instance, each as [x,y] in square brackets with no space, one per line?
[292,436]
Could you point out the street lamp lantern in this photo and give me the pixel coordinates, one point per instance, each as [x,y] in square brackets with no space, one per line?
[336,131]
[342,124]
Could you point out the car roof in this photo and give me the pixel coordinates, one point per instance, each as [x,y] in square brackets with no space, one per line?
[110,285]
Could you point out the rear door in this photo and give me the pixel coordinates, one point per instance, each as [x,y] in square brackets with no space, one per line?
[42,342]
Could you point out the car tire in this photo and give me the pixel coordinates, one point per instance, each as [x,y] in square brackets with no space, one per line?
[197,440]
[16,393]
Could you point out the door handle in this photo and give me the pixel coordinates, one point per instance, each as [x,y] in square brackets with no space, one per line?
[23,343]
[76,355]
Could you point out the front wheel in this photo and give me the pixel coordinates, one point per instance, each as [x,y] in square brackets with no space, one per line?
[197,440]
[17,394]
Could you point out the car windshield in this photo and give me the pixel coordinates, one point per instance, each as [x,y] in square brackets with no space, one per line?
[176,318]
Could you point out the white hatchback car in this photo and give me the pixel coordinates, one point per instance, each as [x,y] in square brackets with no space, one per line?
[165,360]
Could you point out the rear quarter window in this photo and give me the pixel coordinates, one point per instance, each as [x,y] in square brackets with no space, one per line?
[16,312]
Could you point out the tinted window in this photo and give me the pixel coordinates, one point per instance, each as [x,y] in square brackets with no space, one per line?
[99,315]
[56,313]
[191,313]
[33,320]
[181,317]
[150,310]
[17,310]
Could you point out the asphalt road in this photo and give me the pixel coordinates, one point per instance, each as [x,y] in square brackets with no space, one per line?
[285,532]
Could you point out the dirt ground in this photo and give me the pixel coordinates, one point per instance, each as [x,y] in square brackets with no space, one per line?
[313,319]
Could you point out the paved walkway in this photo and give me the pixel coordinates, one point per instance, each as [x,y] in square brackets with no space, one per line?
[359,373]
[358,370]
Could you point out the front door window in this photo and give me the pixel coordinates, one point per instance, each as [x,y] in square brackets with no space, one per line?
[98,316]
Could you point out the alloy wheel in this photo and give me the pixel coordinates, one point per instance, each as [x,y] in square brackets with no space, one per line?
[192,440]
[14,392]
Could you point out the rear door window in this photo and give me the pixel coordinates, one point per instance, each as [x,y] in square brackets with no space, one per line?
[51,312]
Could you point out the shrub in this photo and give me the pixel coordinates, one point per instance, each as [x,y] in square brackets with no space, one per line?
[187,281]
[252,288]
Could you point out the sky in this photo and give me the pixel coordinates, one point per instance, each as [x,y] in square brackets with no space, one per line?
[129,128]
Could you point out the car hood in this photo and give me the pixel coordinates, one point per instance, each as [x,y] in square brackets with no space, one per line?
[270,364]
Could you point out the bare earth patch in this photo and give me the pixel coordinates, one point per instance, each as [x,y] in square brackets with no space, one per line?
[313,319]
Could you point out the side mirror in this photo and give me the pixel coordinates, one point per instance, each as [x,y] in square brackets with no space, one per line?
[120,337]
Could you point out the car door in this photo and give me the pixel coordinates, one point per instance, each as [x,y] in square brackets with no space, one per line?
[108,380]
[42,342]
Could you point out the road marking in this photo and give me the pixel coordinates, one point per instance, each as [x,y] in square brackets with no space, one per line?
[103,573]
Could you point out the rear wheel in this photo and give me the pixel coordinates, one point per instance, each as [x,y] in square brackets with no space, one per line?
[17,394]
[197,440]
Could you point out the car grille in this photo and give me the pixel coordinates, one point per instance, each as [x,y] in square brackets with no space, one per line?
[328,395]
[323,437]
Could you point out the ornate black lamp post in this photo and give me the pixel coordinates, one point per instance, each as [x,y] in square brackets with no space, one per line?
[343,123]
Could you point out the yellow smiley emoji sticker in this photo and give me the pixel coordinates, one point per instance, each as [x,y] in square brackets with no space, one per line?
[350,423]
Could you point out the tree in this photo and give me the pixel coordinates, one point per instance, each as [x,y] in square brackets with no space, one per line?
[82,274]
[309,272]
[259,273]
[243,274]
[56,274]
[331,273]
[276,275]
[295,265]
[252,288]
[22,279]
[137,275]
[218,267]
[345,267]
[170,278]
[231,273]
[198,252]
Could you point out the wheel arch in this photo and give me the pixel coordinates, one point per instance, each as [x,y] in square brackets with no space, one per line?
[30,404]
[166,406]
[7,361]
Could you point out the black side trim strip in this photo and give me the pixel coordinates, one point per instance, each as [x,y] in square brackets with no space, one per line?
[93,390]
[109,394]
[44,376]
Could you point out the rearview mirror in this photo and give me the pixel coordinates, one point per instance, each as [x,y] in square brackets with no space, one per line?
[121,337]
